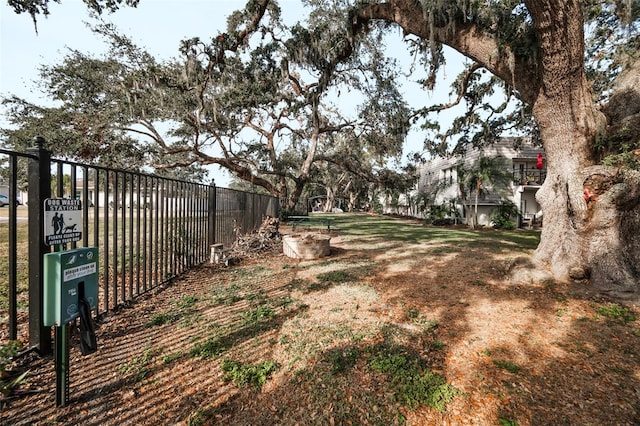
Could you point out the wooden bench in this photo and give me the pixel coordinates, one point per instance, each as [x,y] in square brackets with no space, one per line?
[310,221]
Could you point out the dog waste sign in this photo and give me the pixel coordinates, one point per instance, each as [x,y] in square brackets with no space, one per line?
[62,221]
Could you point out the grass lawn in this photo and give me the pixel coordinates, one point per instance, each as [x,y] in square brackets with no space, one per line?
[403,324]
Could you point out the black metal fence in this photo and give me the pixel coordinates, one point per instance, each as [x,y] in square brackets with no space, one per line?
[148,230]
[239,212]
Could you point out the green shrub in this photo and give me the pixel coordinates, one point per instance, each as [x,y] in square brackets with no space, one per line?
[626,160]
[335,276]
[502,223]
[7,382]
[182,308]
[510,366]
[7,352]
[212,347]
[140,365]
[162,318]
[503,215]
[248,374]
[436,346]
[616,312]
[341,360]
[252,316]
[413,384]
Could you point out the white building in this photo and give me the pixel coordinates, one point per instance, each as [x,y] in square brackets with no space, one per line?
[527,167]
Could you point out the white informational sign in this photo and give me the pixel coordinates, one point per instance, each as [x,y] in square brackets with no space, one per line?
[79,272]
[62,221]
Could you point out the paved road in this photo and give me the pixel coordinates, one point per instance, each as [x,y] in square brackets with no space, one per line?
[23,214]
[5,219]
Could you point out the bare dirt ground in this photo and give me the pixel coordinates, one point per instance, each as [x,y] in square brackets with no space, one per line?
[316,332]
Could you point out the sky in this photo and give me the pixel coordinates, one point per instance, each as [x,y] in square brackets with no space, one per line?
[156,25]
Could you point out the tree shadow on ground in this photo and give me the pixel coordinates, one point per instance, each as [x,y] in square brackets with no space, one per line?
[540,353]
[537,354]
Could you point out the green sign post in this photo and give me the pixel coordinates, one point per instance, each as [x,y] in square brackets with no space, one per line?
[69,276]
[70,292]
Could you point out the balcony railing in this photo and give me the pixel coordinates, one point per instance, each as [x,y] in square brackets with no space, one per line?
[529,176]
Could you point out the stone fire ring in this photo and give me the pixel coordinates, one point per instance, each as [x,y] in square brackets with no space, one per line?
[306,247]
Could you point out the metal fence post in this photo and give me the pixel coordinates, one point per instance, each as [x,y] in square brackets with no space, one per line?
[13,243]
[211,212]
[39,190]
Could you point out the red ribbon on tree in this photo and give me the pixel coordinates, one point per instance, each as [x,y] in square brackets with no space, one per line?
[539,164]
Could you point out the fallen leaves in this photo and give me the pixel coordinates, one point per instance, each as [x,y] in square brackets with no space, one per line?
[577,368]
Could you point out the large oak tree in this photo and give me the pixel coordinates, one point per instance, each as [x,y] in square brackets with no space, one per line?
[253,99]
[537,48]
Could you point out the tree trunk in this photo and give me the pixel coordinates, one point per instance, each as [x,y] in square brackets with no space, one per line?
[331,198]
[591,226]
[561,195]
[473,212]
[591,214]
[352,201]
[469,209]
